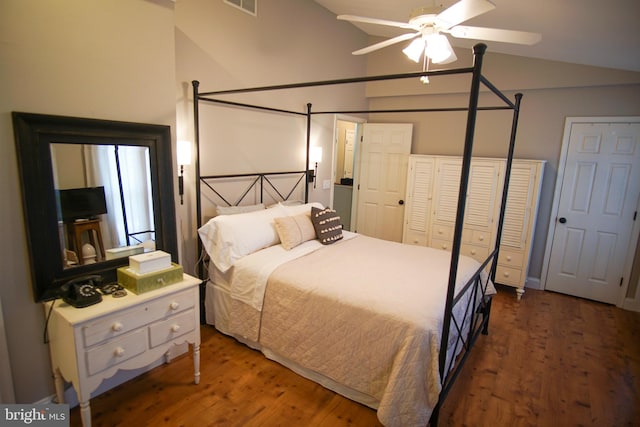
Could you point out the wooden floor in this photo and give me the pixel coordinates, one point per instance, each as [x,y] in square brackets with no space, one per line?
[549,360]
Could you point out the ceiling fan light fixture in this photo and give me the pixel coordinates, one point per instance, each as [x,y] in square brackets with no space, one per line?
[438,48]
[414,50]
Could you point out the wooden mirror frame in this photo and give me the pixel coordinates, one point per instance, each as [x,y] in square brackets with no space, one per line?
[33,135]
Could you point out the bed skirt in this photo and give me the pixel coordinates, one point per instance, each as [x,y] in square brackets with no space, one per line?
[217,308]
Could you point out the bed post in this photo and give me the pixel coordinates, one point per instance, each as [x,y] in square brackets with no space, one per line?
[478,52]
[507,177]
[306,165]
[196,141]
[503,206]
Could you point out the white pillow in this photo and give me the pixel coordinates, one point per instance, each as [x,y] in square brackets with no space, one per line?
[234,210]
[293,210]
[227,238]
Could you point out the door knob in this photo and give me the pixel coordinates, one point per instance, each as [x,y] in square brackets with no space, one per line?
[562,220]
[401,202]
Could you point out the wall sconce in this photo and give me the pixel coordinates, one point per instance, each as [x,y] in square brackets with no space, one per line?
[184,158]
[315,157]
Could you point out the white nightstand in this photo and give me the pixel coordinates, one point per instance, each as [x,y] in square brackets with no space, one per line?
[89,345]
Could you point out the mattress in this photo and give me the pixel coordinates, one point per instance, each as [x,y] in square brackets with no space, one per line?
[362,316]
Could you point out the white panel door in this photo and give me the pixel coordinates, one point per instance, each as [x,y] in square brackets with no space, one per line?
[383,175]
[596,209]
[349,143]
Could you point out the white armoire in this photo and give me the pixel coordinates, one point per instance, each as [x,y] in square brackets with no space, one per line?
[431,205]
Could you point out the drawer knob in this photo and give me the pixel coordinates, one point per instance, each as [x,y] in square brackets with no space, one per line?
[506,274]
[116,327]
[481,238]
[118,352]
[175,328]
[508,257]
[473,251]
[444,246]
[174,305]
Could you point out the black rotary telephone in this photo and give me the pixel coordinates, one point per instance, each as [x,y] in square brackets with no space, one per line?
[82,291]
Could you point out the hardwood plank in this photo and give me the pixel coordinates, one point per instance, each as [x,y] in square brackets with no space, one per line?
[548,360]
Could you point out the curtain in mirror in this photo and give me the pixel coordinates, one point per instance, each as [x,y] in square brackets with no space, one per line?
[125,174]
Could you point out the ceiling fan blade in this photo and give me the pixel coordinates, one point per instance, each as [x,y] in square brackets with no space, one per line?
[495,34]
[353,18]
[462,11]
[386,43]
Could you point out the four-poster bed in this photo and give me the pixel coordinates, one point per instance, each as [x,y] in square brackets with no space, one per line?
[414,324]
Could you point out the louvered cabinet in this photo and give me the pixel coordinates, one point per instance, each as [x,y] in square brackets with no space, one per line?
[431,206]
[519,223]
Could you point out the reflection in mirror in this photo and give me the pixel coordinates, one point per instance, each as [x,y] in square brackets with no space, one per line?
[104,200]
[345,165]
[345,153]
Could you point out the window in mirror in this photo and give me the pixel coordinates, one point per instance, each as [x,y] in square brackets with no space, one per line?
[105,201]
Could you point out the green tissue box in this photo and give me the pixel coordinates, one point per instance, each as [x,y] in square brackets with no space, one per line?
[139,283]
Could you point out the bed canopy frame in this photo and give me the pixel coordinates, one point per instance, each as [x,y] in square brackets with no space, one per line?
[478,310]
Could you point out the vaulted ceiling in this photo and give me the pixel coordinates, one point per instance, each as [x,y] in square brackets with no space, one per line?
[590,32]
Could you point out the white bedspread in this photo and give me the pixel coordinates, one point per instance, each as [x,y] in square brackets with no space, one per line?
[364,312]
[250,274]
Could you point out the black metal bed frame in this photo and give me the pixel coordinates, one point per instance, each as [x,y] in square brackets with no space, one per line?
[477,310]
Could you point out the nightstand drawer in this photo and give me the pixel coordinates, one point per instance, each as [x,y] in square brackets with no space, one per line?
[508,276]
[444,232]
[128,320]
[477,237]
[174,304]
[113,326]
[479,253]
[171,328]
[509,258]
[441,244]
[416,238]
[116,351]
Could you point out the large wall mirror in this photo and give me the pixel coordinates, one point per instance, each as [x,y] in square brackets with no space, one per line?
[94,193]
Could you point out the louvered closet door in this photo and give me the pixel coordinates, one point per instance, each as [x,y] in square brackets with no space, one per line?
[514,231]
[481,208]
[484,184]
[418,199]
[445,202]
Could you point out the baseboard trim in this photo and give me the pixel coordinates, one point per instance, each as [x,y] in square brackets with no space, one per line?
[533,283]
[631,304]
[49,400]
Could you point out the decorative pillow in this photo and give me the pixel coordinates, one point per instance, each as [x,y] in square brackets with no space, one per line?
[294,230]
[326,223]
[233,210]
[227,238]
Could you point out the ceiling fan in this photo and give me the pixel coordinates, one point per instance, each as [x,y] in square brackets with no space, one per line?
[429,24]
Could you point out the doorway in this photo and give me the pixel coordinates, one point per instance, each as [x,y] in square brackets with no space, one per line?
[594,232]
[345,168]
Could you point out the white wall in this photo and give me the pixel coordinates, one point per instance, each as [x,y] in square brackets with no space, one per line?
[289,41]
[89,58]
